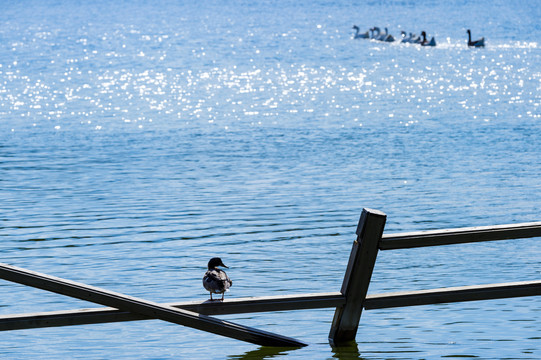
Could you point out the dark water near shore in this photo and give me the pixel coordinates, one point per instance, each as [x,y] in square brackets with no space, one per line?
[138,139]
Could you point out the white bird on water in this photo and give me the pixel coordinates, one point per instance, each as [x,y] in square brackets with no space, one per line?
[216,280]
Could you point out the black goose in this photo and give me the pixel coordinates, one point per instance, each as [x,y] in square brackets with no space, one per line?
[475,43]
[425,42]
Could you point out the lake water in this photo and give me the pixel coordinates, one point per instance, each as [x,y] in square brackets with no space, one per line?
[138,139]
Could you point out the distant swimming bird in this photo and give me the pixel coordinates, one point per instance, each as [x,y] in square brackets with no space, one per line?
[376,33]
[476,43]
[216,280]
[388,37]
[359,35]
[425,42]
[408,39]
[405,38]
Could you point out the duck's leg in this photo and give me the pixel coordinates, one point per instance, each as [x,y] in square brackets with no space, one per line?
[210,295]
[223,296]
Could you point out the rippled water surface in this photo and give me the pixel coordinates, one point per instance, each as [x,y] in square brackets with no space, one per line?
[138,139]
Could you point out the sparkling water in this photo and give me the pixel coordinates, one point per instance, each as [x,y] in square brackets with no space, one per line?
[139,139]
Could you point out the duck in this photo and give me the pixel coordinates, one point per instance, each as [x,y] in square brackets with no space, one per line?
[425,42]
[216,280]
[359,35]
[476,43]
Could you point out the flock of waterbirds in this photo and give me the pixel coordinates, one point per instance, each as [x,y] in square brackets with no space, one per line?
[375,33]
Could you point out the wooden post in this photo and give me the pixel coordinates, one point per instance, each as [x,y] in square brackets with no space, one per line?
[144,307]
[358,273]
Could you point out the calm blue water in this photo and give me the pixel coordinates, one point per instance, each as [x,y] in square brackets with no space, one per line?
[138,139]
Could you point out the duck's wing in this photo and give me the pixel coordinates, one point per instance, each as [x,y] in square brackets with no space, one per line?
[217,279]
[212,275]
[225,279]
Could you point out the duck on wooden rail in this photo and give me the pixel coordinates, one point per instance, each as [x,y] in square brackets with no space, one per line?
[216,280]
[475,43]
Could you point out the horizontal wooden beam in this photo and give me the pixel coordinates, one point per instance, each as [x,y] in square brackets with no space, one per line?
[229,306]
[145,307]
[278,303]
[453,294]
[459,236]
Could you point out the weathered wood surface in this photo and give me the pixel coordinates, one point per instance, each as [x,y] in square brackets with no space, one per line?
[348,303]
[459,236]
[144,307]
[279,303]
[357,278]
[453,294]
[229,306]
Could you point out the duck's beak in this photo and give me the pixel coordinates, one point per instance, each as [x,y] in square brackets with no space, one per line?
[222,264]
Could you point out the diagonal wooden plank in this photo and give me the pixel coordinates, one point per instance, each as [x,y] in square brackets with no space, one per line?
[144,307]
[277,303]
[230,306]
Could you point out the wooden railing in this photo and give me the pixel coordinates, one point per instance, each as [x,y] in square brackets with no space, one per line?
[349,302]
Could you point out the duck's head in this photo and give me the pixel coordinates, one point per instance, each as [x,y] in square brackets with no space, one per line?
[215,262]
